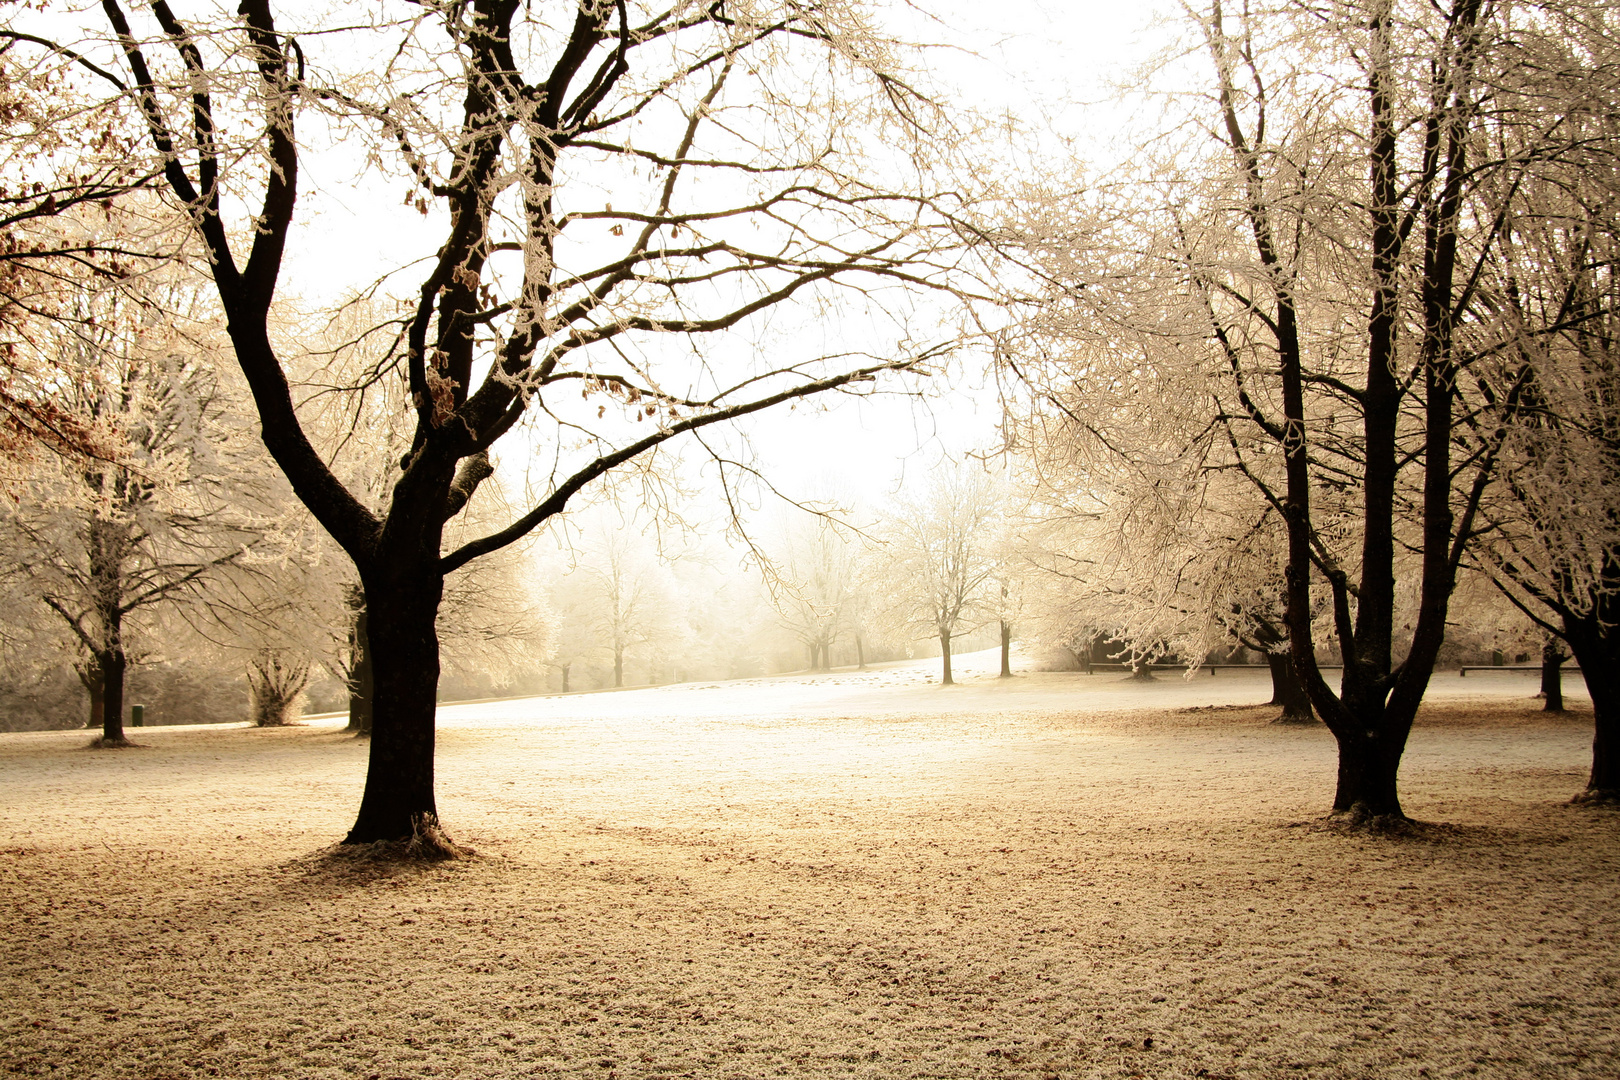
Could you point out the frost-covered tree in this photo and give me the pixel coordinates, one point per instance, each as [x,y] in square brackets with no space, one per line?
[103,544]
[814,583]
[63,157]
[939,557]
[1549,335]
[1306,255]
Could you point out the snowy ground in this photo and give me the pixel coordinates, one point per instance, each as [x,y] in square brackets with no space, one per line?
[846,875]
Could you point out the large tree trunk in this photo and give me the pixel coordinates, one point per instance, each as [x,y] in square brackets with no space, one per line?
[398,803]
[1006,650]
[1368,766]
[945,654]
[1552,676]
[361,681]
[1288,691]
[112,665]
[1595,641]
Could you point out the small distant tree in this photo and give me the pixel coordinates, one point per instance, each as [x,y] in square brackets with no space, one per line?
[277,679]
[813,564]
[613,595]
[940,554]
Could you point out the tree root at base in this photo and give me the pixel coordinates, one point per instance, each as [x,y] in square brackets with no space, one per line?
[100,743]
[1358,819]
[1597,797]
[1294,719]
[427,843]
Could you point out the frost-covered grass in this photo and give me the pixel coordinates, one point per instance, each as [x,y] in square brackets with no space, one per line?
[847,875]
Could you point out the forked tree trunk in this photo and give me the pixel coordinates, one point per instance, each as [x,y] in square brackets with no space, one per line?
[1006,650]
[1595,641]
[1288,691]
[564,668]
[398,803]
[945,655]
[275,688]
[1552,676]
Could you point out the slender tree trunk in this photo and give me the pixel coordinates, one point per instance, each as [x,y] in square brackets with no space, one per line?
[945,654]
[1288,691]
[1006,650]
[1552,676]
[398,803]
[618,665]
[94,686]
[860,653]
[108,544]
[362,686]
[1595,641]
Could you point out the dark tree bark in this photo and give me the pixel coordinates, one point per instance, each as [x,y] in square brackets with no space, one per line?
[564,668]
[1595,640]
[1552,676]
[1006,650]
[361,682]
[1288,691]
[1368,767]
[112,666]
[945,658]
[90,677]
[398,802]
[1287,688]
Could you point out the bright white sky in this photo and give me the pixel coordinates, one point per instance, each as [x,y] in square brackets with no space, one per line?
[1053,65]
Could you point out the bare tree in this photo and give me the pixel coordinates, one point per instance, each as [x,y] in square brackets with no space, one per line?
[940,557]
[735,194]
[814,583]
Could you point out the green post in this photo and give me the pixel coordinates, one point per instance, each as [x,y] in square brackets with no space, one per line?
[137,716]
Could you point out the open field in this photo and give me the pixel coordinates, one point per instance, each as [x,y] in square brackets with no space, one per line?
[852,875]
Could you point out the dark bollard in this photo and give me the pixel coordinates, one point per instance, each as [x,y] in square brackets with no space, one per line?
[137,716]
